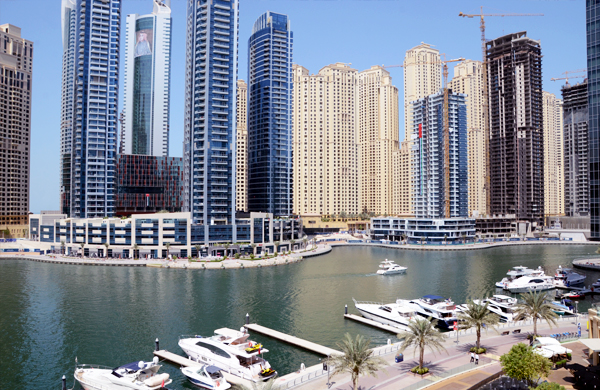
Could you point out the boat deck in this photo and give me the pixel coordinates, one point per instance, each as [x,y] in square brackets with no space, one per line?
[298,342]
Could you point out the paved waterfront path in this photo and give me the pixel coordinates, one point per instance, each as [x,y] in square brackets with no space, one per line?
[590,263]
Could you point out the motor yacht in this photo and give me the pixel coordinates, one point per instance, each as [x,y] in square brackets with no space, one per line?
[396,314]
[596,284]
[530,283]
[132,376]
[564,307]
[566,277]
[441,310]
[231,351]
[516,273]
[388,267]
[207,377]
[502,305]
[386,263]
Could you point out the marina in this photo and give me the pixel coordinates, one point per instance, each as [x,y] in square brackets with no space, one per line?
[298,342]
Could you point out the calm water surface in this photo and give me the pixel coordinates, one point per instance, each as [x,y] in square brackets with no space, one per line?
[50,314]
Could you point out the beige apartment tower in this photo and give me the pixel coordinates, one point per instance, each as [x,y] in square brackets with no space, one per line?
[401,181]
[16,55]
[554,178]
[325,152]
[241,176]
[468,79]
[378,133]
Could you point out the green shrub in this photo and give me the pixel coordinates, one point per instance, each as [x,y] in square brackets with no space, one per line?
[275,254]
[420,371]
[478,351]
[251,257]
[237,256]
[548,386]
[561,363]
[569,356]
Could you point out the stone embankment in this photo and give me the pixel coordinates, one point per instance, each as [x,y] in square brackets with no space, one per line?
[590,263]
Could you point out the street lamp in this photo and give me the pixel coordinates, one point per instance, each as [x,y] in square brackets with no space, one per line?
[326,368]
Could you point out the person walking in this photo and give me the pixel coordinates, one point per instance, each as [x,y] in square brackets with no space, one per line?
[476,358]
[472,357]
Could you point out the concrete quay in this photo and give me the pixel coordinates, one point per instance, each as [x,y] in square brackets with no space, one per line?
[589,263]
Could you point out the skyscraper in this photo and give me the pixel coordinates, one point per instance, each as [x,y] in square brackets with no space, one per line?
[241,180]
[326,176]
[209,120]
[147,81]
[429,155]
[378,133]
[92,30]
[592,18]
[16,58]
[554,179]
[516,133]
[270,115]
[575,134]
[468,80]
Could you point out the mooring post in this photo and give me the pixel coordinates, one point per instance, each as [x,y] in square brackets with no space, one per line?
[64,383]
[247,319]
[156,344]
[346,309]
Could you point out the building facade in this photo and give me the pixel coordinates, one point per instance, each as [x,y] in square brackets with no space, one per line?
[554,179]
[270,115]
[148,184]
[16,60]
[516,133]
[468,80]
[433,186]
[425,231]
[378,138]
[401,181]
[147,81]
[94,77]
[575,137]
[209,113]
[325,152]
[592,18]
[241,181]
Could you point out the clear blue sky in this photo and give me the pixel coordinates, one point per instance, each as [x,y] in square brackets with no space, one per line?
[364,33]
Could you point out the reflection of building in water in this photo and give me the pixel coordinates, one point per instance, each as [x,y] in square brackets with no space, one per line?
[147,81]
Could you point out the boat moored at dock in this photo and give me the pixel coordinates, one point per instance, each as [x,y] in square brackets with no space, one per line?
[566,278]
[207,377]
[515,273]
[396,314]
[438,308]
[133,376]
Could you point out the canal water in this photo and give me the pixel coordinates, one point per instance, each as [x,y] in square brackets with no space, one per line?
[50,314]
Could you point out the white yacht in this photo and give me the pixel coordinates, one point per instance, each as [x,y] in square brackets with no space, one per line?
[231,351]
[388,267]
[386,263]
[566,277]
[442,310]
[132,376]
[396,314]
[502,305]
[516,273]
[207,377]
[530,283]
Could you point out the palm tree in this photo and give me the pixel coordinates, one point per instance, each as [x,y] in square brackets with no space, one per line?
[304,241]
[445,239]
[106,249]
[226,246]
[421,334]
[82,245]
[62,247]
[253,245]
[475,316]
[268,385]
[534,306]
[357,358]
[197,247]
[292,242]
[135,249]
[167,245]
[276,246]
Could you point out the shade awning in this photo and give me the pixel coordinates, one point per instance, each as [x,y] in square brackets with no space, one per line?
[592,344]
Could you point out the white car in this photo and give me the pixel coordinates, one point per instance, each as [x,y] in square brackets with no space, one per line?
[548,347]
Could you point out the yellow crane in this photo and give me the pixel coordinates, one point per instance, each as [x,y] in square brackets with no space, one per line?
[566,78]
[485,91]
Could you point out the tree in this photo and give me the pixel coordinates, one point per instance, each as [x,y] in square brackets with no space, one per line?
[421,334]
[292,242]
[357,358]
[445,239]
[135,251]
[268,385]
[523,364]
[197,247]
[343,215]
[475,316]
[62,247]
[226,246]
[253,248]
[82,245]
[548,386]
[534,306]
[106,245]
[304,241]
[276,246]
[168,246]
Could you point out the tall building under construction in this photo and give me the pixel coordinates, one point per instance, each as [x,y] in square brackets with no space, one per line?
[516,127]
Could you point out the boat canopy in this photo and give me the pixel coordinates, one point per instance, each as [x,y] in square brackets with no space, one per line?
[434,297]
[212,369]
[130,366]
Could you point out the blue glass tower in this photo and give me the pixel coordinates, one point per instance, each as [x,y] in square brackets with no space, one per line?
[592,21]
[270,115]
[210,108]
[94,80]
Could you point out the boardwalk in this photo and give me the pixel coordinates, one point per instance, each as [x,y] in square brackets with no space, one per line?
[375,324]
[298,342]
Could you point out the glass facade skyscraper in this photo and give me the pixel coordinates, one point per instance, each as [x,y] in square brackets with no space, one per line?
[592,21]
[147,81]
[270,115]
[91,72]
[210,106]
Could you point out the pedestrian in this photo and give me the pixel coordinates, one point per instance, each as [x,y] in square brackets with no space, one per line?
[472,357]
[476,358]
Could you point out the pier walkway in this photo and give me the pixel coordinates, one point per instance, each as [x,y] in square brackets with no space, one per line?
[293,340]
[375,324]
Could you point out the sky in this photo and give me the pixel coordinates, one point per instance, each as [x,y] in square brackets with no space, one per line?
[361,32]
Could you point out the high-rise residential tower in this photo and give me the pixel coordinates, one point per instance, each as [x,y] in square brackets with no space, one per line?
[209,114]
[468,80]
[516,133]
[592,19]
[241,181]
[378,133]
[270,115]
[326,176]
[429,156]
[554,180]
[93,76]
[575,134]
[147,81]
[16,59]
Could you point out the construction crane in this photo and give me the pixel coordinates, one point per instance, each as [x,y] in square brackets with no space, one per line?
[485,92]
[566,78]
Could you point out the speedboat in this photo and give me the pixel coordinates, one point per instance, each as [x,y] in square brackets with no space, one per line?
[132,376]
[530,283]
[566,277]
[502,305]
[386,263]
[388,267]
[207,377]
[441,310]
[564,307]
[574,295]
[396,314]
[231,351]
[516,273]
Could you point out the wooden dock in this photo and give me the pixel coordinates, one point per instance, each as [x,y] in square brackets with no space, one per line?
[375,324]
[298,342]
[186,362]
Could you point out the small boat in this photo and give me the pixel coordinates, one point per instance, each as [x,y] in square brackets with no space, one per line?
[133,376]
[565,307]
[566,277]
[388,267]
[574,295]
[207,377]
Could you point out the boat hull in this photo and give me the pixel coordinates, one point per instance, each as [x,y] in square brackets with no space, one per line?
[381,319]
[525,289]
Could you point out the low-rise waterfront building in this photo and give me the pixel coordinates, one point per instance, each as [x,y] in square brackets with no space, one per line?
[424,230]
[46,219]
[496,226]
